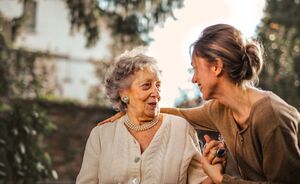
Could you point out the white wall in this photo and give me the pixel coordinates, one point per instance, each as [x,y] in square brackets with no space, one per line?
[52,34]
[11,8]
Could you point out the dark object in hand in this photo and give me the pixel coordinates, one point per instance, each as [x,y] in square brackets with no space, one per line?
[220,152]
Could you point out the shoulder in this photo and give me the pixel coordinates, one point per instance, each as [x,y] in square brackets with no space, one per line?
[215,108]
[178,123]
[175,120]
[273,106]
[271,112]
[281,108]
[106,128]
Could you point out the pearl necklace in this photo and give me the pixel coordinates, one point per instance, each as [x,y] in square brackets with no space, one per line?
[142,127]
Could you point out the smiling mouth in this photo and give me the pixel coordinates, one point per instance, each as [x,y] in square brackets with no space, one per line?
[153,104]
[200,87]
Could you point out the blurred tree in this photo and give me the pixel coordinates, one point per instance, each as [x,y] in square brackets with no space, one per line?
[280,34]
[22,156]
[129,20]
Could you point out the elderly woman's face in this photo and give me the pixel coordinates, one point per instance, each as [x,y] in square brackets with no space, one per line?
[144,93]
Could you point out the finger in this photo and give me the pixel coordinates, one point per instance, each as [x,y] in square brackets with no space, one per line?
[111,119]
[204,160]
[103,122]
[218,160]
[118,115]
[207,138]
[213,171]
[213,144]
[108,120]
[221,144]
[211,156]
[207,181]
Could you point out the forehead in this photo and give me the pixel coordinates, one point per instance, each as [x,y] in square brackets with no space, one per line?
[194,60]
[146,73]
[198,61]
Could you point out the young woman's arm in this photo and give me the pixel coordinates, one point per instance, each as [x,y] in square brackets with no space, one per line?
[199,117]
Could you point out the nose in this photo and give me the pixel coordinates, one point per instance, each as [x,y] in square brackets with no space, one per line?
[194,79]
[155,92]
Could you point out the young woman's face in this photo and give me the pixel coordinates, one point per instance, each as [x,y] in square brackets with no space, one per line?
[204,77]
[144,93]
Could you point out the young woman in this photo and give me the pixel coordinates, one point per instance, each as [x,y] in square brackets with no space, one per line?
[261,131]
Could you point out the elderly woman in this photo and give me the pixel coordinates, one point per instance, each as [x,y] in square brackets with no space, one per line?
[143,146]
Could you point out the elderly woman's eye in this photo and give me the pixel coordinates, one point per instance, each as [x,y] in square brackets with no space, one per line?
[146,85]
[158,85]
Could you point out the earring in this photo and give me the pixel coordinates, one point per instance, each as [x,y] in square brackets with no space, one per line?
[125,99]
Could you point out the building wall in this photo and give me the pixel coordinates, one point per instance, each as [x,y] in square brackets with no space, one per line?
[66,144]
[52,34]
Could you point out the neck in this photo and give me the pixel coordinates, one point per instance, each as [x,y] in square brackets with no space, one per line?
[138,118]
[238,100]
[142,127]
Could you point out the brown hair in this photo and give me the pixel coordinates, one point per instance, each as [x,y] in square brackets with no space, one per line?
[242,59]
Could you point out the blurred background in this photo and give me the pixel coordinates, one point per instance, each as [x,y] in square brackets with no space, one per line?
[54,54]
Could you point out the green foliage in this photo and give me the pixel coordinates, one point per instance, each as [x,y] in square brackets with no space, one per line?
[22,159]
[129,22]
[284,12]
[129,19]
[22,127]
[22,156]
[17,76]
[280,34]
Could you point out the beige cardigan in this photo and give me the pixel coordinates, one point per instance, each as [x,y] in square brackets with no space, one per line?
[112,155]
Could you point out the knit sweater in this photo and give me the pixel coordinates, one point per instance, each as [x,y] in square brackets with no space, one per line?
[112,155]
[267,150]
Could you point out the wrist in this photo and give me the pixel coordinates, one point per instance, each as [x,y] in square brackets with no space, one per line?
[219,179]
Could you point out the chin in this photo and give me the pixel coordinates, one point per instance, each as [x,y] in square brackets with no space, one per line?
[153,113]
[205,96]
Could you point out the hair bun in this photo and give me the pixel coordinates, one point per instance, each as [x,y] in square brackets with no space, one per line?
[252,60]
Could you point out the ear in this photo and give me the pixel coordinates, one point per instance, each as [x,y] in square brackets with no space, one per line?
[218,67]
[123,93]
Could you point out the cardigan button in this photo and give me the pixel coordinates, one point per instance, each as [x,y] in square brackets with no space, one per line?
[137,159]
[135,180]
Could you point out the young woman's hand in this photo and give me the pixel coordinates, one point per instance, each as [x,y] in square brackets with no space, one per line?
[214,151]
[207,181]
[213,159]
[214,172]
[111,119]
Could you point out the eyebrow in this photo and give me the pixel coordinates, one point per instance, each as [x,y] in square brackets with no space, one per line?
[147,80]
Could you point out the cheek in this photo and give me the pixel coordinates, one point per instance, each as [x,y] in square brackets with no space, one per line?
[197,76]
[142,97]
